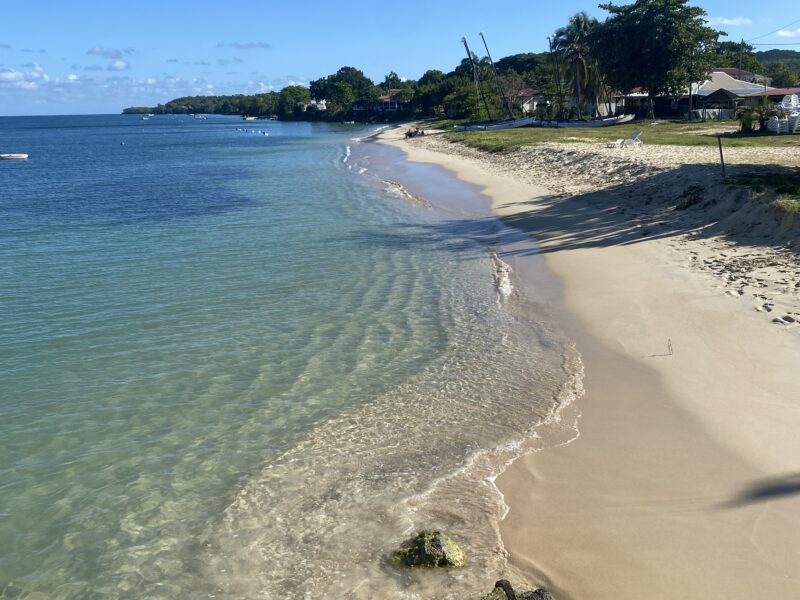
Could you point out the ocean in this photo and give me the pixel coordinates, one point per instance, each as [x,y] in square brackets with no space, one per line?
[248,359]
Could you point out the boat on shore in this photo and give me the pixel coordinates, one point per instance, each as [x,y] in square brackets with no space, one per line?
[492,125]
[533,121]
[618,120]
[13,156]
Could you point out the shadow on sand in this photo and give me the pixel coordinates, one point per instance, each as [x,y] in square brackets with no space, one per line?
[627,214]
[770,488]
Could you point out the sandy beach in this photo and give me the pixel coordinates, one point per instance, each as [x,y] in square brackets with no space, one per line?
[684,479]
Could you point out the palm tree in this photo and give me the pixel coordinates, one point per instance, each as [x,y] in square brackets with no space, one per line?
[578,66]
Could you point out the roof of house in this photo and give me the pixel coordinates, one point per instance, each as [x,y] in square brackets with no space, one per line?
[526,93]
[787,91]
[720,79]
[721,95]
[738,92]
[736,73]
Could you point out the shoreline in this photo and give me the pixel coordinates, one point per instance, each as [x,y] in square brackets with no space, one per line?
[684,473]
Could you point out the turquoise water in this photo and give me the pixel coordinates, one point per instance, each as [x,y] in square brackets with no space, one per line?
[238,365]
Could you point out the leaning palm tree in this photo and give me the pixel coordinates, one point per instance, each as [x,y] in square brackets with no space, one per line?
[577,65]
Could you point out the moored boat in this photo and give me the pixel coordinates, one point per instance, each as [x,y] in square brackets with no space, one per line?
[618,120]
[13,155]
[507,124]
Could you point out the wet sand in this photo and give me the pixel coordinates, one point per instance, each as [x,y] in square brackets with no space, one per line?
[684,480]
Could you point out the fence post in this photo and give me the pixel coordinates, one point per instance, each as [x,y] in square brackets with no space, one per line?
[721,158]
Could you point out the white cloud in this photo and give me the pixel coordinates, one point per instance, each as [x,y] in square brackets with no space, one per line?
[245,45]
[105,52]
[118,65]
[24,80]
[11,75]
[72,77]
[730,21]
[785,33]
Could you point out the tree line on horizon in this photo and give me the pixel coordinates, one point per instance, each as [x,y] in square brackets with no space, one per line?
[657,46]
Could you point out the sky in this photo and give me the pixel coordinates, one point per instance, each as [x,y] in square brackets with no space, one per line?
[92,57]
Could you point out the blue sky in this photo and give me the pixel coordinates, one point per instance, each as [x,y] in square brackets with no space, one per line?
[99,57]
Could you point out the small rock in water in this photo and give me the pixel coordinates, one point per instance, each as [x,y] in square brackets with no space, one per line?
[430,549]
[503,591]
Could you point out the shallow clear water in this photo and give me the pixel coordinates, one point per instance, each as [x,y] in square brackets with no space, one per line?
[239,365]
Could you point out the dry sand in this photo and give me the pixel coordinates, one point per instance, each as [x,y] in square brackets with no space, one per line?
[685,479]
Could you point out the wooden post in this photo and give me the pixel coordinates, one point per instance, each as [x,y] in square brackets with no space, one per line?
[721,158]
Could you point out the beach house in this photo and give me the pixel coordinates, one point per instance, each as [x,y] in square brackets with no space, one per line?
[715,97]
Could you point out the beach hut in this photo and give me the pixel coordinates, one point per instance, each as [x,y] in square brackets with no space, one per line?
[722,104]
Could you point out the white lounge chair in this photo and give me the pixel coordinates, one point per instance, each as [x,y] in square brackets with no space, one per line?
[631,140]
[794,122]
[789,103]
[773,125]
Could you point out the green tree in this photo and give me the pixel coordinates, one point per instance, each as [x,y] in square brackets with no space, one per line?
[581,71]
[391,81]
[361,85]
[658,45]
[431,77]
[404,96]
[735,55]
[463,102]
[340,97]
[521,63]
[781,75]
[292,100]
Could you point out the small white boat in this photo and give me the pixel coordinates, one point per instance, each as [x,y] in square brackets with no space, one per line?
[593,123]
[11,156]
[507,124]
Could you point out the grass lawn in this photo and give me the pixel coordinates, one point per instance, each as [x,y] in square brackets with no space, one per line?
[676,133]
